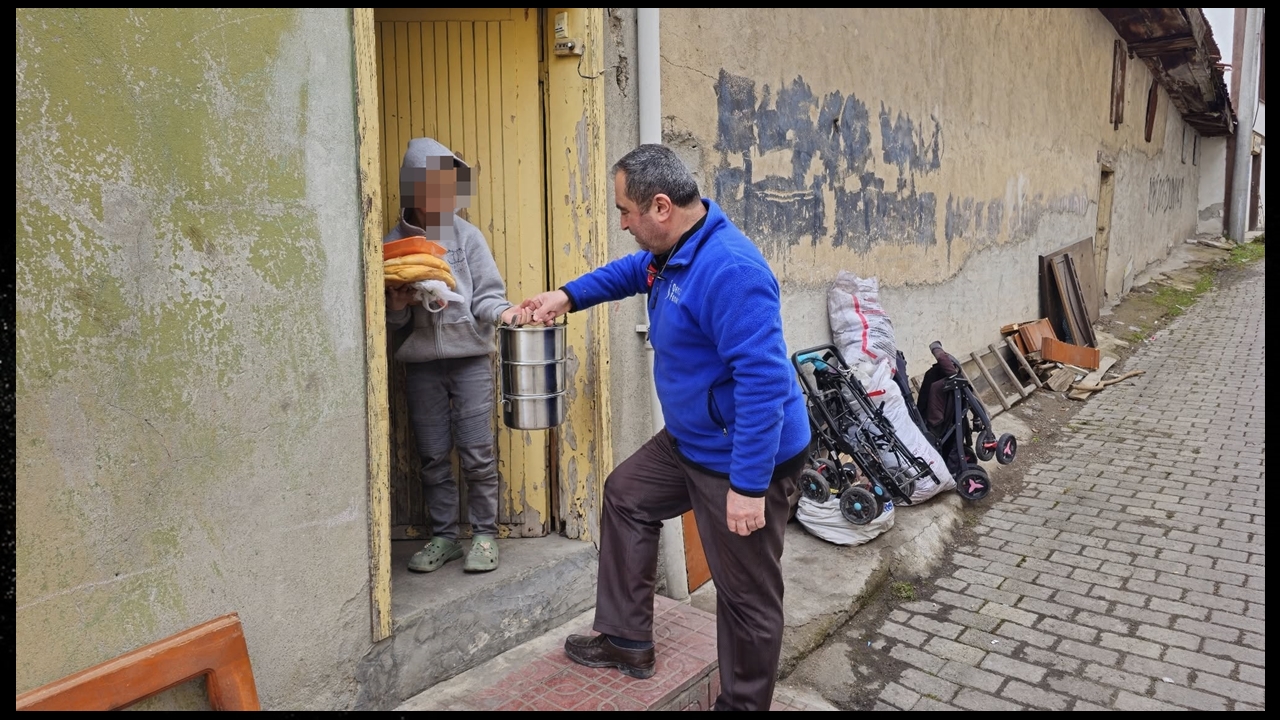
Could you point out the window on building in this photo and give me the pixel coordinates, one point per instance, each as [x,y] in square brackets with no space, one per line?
[1152,96]
[1118,62]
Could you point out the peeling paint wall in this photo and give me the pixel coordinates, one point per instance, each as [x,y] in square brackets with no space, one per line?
[628,360]
[941,151]
[190,364]
[631,380]
[1213,178]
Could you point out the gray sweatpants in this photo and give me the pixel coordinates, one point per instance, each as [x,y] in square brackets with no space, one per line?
[451,404]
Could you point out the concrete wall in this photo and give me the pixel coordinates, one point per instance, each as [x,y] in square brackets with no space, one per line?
[1260,127]
[190,365]
[1213,185]
[631,380]
[628,360]
[940,151]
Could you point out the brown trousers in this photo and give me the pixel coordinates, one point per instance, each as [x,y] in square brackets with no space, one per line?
[654,485]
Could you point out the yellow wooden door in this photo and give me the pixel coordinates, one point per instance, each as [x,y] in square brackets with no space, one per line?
[469,79]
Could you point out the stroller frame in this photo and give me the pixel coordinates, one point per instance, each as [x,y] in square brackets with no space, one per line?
[967,416]
[846,421]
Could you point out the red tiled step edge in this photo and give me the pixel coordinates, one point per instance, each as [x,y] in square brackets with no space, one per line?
[538,675]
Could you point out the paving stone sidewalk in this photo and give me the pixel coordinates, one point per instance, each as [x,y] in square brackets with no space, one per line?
[1130,573]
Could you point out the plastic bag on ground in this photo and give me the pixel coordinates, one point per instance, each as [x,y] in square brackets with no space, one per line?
[824,520]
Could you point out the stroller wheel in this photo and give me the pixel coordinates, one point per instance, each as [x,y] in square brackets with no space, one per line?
[1006,448]
[905,483]
[985,447]
[878,490]
[858,505]
[846,477]
[973,484]
[814,486]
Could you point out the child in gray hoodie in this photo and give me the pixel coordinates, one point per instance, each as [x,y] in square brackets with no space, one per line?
[447,357]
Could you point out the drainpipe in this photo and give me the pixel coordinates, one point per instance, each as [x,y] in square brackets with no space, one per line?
[1246,114]
[650,108]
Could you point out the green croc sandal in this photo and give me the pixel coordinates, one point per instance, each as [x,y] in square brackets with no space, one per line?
[483,556]
[436,553]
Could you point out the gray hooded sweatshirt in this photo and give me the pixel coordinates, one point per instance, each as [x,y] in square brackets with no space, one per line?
[462,329]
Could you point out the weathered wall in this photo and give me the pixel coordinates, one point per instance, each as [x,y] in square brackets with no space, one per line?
[1260,127]
[1210,204]
[190,382]
[1156,201]
[630,376]
[628,362]
[941,151]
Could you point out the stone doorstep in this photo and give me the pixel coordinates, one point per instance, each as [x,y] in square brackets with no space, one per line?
[537,675]
[447,622]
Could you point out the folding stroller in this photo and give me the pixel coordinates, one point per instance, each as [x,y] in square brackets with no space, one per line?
[949,415]
[857,455]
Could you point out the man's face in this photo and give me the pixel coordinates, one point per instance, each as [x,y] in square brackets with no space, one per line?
[642,226]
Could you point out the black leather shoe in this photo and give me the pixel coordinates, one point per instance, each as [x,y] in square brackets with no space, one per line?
[597,652]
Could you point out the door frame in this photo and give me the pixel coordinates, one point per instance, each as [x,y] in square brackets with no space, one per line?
[1102,236]
[577,241]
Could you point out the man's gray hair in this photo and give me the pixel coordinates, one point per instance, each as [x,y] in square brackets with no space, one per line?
[652,169]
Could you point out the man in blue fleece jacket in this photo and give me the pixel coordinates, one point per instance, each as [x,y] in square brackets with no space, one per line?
[736,437]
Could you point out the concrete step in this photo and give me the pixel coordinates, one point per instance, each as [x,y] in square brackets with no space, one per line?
[538,676]
[448,622]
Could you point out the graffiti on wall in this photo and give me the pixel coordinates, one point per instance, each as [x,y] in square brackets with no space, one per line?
[829,139]
[828,187]
[973,219]
[1164,193]
[1018,214]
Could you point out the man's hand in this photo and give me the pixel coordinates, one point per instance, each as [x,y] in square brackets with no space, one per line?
[745,515]
[516,315]
[399,298]
[547,306]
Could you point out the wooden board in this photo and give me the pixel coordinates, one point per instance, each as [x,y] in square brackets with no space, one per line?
[1092,378]
[1031,333]
[1022,360]
[697,571]
[1082,254]
[1078,306]
[1004,401]
[1023,390]
[1061,285]
[984,392]
[1070,354]
[214,650]
[1061,379]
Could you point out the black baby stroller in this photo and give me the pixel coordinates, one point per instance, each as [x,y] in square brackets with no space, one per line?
[857,456]
[950,414]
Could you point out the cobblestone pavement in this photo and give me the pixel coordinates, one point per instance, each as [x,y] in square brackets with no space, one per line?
[1130,572]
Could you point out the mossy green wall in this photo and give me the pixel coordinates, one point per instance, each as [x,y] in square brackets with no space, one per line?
[189,325]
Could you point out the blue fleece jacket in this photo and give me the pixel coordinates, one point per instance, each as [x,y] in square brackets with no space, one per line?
[729,394]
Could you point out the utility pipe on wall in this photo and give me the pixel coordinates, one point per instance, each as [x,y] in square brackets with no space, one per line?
[648,75]
[1246,114]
